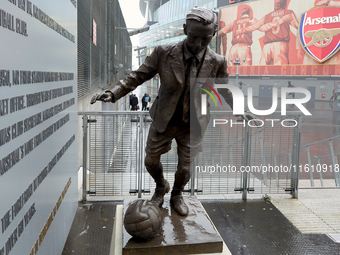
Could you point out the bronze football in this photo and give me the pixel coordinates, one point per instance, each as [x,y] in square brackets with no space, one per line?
[142,220]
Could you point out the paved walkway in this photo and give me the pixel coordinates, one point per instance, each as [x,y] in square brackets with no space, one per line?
[308,225]
[316,210]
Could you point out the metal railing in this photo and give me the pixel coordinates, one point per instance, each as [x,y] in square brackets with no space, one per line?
[240,158]
[256,148]
[326,166]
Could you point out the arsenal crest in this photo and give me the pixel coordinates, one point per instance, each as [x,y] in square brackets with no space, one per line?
[319,32]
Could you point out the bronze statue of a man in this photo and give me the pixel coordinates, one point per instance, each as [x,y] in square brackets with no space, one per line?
[179,65]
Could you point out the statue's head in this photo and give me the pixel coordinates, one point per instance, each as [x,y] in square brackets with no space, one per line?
[204,15]
[200,27]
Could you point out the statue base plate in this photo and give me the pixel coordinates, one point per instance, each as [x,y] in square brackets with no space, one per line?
[192,234]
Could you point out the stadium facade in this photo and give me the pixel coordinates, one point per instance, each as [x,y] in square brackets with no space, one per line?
[269,40]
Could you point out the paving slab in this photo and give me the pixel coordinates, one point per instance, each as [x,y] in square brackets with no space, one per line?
[315,211]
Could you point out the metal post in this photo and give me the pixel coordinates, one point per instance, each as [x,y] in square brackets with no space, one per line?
[137,146]
[142,150]
[140,155]
[334,163]
[139,55]
[193,177]
[84,158]
[310,167]
[319,164]
[337,178]
[296,155]
[237,74]
[91,42]
[289,157]
[231,156]
[245,163]
[276,173]
[263,160]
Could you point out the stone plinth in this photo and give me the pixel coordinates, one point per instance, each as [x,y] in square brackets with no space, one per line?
[193,234]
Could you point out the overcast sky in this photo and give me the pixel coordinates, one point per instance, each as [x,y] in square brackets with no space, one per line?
[131,12]
[133,19]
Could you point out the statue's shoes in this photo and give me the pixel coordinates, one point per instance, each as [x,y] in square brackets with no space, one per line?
[158,196]
[177,202]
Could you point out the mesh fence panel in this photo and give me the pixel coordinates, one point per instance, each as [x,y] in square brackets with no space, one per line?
[272,153]
[116,156]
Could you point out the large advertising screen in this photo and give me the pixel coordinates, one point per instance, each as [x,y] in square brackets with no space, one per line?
[281,37]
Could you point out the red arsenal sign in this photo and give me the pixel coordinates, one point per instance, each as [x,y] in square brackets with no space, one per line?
[319,32]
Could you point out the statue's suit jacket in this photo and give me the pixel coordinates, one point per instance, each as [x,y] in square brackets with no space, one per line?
[167,61]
